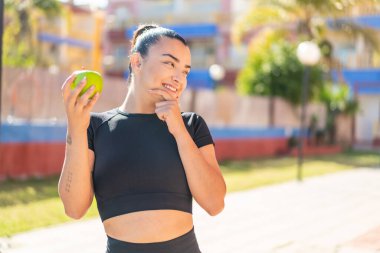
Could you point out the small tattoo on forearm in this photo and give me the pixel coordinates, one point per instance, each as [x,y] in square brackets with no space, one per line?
[68,140]
[68,181]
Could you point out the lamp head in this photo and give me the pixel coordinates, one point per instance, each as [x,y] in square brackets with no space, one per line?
[308,53]
[217,72]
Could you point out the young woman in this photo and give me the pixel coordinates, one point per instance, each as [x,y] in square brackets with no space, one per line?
[144,160]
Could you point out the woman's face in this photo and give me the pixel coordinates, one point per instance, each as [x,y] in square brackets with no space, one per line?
[166,67]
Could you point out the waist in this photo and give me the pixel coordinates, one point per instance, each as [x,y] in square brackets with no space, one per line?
[149,226]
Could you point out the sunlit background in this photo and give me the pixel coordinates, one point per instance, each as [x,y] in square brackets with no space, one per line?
[277,109]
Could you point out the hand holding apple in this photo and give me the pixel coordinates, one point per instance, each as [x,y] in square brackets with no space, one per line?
[92,78]
[77,106]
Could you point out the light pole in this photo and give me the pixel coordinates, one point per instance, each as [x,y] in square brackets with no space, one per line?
[1,66]
[308,54]
[217,73]
[1,52]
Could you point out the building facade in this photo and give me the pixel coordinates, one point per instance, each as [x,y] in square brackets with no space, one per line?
[72,40]
[360,69]
[204,24]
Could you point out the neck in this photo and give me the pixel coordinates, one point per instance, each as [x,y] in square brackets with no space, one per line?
[137,103]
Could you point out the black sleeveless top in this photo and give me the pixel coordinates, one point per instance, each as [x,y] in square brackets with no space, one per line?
[137,163]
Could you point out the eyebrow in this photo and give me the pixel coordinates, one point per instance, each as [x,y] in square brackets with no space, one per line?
[176,59]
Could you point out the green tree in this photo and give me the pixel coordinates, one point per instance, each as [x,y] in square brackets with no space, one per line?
[337,100]
[20,29]
[272,69]
[298,20]
[308,20]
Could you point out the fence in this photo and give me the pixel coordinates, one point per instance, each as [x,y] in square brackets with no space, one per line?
[32,136]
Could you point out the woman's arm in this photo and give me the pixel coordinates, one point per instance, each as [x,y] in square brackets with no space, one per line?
[203,174]
[75,184]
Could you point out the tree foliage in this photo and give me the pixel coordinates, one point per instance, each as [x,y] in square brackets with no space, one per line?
[272,69]
[311,19]
[20,30]
[337,100]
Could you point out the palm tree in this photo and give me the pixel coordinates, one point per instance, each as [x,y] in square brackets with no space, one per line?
[310,18]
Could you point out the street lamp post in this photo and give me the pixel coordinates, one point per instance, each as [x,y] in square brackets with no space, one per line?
[1,64]
[308,54]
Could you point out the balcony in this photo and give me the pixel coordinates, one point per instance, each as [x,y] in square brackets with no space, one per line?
[362,81]
[187,30]
[198,78]
[370,21]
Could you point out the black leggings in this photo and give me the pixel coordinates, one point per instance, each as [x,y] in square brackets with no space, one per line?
[186,243]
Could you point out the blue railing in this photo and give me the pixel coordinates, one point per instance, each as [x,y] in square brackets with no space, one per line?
[52,38]
[197,78]
[370,21]
[185,30]
[361,81]
[26,132]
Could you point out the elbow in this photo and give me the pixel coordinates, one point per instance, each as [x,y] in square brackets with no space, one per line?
[73,208]
[218,206]
[217,209]
[74,214]
[74,211]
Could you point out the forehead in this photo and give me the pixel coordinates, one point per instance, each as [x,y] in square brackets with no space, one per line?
[171,46]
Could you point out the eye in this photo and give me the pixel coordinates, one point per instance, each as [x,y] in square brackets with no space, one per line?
[171,64]
[186,73]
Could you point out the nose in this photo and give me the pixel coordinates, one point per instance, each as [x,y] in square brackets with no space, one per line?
[179,78]
[176,78]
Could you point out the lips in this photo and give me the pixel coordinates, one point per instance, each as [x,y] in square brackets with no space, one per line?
[170,87]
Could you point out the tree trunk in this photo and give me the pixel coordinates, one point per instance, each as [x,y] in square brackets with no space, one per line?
[271,111]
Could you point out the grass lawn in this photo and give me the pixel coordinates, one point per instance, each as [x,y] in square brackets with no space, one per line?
[248,174]
[34,203]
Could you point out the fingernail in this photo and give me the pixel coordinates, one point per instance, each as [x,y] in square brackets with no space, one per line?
[92,87]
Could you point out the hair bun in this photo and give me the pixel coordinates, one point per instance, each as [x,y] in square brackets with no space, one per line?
[140,30]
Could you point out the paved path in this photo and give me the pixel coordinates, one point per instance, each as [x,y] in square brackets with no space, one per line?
[337,213]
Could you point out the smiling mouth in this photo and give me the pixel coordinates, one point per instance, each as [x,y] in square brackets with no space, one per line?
[170,87]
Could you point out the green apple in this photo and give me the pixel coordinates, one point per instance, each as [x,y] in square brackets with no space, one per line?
[92,78]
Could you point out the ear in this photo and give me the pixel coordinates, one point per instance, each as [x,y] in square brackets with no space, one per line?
[136,61]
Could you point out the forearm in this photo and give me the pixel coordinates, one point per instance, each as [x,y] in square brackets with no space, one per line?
[205,180]
[75,185]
